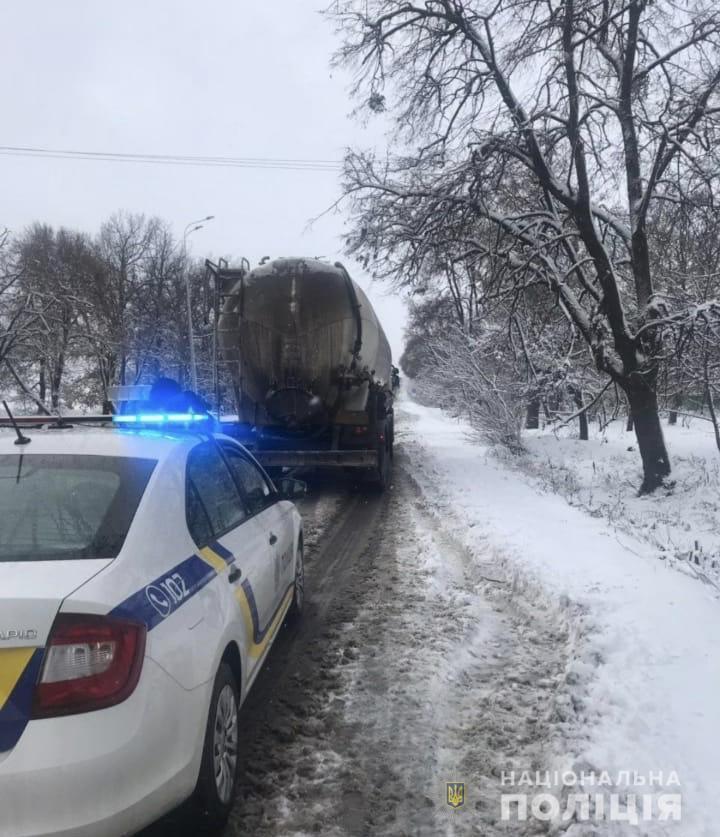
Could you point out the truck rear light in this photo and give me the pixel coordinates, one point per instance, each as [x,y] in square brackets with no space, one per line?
[91,662]
[360,430]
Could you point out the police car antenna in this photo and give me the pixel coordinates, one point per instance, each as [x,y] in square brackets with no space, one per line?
[21,439]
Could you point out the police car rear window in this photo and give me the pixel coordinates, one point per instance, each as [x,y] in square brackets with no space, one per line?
[65,506]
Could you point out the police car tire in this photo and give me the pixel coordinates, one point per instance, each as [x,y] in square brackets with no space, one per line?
[215,812]
[298,602]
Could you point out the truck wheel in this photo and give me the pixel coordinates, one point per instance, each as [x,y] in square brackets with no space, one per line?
[215,790]
[382,475]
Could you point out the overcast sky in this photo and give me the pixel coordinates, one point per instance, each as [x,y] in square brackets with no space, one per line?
[211,78]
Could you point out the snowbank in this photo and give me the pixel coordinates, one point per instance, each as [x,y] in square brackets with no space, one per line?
[642,692]
[681,522]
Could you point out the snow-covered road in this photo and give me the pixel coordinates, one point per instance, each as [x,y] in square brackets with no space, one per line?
[441,680]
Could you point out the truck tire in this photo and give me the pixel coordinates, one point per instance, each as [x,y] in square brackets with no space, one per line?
[382,475]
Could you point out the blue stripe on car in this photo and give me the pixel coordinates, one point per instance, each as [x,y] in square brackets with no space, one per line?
[15,714]
[167,593]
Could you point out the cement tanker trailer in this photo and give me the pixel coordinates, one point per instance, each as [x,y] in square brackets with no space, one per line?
[311,366]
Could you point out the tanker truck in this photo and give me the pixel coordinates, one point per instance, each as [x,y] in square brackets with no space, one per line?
[310,366]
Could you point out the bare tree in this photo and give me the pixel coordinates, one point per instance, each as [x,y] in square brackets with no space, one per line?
[521,360]
[694,338]
[472,378]
[14,305]
[558,125]
[686,264]
[54,271]
[21,317]
[110,310]
[117,293]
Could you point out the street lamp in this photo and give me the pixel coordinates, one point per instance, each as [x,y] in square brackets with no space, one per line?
[190,228]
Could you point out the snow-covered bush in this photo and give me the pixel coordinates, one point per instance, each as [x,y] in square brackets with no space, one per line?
[472,377]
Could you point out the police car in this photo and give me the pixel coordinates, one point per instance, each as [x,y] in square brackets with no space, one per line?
[144,574]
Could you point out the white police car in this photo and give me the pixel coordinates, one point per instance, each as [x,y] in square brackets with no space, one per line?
[143,577]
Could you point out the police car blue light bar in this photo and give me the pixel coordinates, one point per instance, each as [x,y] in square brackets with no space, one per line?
[159,418]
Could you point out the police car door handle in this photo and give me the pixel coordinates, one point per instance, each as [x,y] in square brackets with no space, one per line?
[234,574]
[273,538]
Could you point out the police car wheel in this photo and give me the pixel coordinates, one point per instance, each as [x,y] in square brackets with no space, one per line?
[298,600]
[215,789]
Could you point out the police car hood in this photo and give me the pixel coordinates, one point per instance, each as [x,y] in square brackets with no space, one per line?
[31,593]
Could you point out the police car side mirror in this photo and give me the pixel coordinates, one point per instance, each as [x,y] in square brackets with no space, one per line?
[291,489]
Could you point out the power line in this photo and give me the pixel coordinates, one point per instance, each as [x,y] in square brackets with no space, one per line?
[286,164]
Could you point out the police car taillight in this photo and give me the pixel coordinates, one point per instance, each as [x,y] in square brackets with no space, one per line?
[91,662]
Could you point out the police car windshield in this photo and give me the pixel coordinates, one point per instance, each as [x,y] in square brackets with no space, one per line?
[64,506]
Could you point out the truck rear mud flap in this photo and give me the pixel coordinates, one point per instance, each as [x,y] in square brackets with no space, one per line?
[317,458]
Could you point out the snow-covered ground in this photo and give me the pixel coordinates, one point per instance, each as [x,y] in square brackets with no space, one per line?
[681,522]
[641,687]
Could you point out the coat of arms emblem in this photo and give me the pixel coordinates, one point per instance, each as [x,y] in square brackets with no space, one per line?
[455,794]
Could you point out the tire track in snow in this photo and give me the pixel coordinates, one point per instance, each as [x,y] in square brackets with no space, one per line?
[452,684]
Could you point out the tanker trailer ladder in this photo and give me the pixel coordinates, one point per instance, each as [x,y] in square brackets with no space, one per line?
[226,370]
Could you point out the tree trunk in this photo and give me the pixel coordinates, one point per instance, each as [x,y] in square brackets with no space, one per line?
[710,401]
[532,420]
[584,432]
[582,418]
[648,431]
[713,413]
[676,403]
[577,397]
[629,423]
[56,380]
[42,385]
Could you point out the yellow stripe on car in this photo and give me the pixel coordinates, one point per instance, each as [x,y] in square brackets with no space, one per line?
[13,662]
[212,558]
[256,649]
